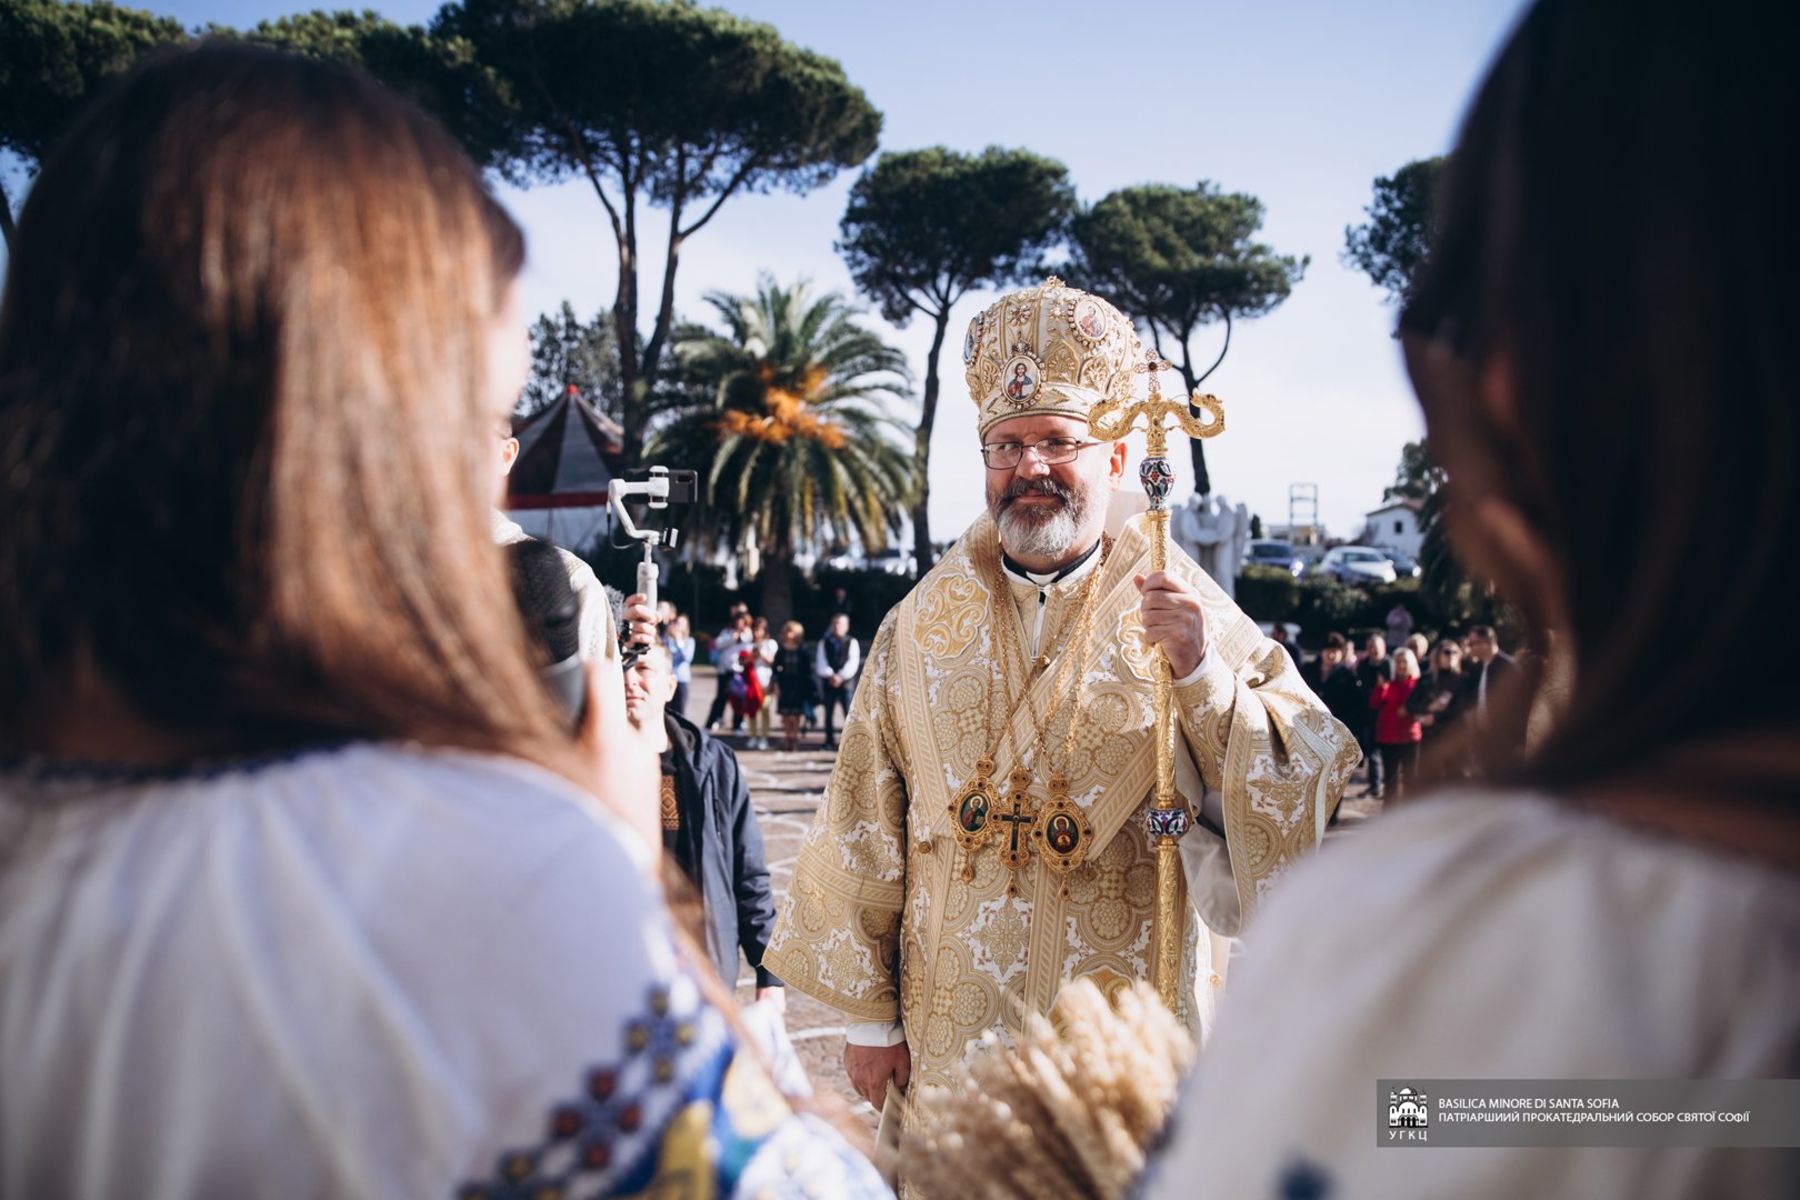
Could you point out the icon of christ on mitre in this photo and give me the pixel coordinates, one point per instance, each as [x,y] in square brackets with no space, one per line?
[1017,680]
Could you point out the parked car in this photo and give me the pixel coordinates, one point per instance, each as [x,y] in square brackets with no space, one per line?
[1268,552]
[1357,565]
[1404,564]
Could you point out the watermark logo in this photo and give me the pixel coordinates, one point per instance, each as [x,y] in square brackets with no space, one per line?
[1409,1114]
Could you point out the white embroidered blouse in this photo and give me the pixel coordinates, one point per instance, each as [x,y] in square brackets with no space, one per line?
[367,971]
[1490,936]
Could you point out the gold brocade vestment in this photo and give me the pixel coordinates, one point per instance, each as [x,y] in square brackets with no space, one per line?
[879,922]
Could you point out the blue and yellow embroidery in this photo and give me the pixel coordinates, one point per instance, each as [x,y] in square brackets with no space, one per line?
[679,1115]
[612,1137]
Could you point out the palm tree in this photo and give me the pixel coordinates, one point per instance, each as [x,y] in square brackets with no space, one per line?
[798,446]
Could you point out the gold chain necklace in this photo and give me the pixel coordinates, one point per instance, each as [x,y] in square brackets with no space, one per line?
[1062,831]
[972,808]
[977,805]
[1025,819]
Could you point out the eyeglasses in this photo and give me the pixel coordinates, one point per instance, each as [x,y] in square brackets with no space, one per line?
[1004,456]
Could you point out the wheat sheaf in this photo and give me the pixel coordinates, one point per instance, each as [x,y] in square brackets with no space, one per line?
[1069,1110]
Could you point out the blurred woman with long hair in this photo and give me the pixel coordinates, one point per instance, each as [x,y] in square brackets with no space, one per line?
[1603,344]
[304,889]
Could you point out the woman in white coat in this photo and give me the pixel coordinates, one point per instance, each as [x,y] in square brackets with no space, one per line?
[1603,343]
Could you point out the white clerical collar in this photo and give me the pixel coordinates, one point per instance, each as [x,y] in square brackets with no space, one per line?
[1074,572]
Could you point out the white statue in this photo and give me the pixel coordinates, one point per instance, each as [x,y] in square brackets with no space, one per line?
[1192,527]
[1214,535]
[1240,544]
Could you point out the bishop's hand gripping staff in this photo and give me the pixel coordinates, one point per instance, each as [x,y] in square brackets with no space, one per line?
[1167,819]
[660,489]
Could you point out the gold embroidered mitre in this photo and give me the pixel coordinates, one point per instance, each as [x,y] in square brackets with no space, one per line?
[1051,349]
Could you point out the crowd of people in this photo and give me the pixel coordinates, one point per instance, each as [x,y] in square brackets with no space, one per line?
[759,676]
[1422,705]
[352,844]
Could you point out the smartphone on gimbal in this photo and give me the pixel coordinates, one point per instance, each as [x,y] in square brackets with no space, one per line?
[658,487]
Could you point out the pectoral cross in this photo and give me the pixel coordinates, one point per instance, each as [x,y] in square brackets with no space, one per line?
[1017,852]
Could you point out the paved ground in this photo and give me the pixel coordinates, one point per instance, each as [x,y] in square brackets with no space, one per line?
[787,789]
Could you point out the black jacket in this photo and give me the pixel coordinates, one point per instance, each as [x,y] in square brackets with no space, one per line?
[719,847]
[1431,687]
[1500,673]
[1344,694]
[1368,675]
[793,674]
[1502,666]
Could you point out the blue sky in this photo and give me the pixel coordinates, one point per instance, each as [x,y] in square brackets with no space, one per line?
[1299,103]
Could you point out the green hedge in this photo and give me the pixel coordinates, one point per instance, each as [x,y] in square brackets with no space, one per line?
[699,590]
[1268,593]
[1321,604]
[1317,603]
[1326,605]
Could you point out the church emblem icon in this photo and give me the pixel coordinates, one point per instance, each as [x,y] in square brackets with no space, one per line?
[1063,833]
[972,341]
[1088,320]
[1408,1109]
[1021,380]
[973,813]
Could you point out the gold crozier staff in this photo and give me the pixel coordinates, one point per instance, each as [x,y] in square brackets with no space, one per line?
[1167,819]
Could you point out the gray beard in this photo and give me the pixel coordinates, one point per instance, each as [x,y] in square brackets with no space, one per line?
[1043,536]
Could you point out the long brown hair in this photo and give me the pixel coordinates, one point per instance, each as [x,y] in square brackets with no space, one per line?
[247,429]
[246,420]
[1615,242]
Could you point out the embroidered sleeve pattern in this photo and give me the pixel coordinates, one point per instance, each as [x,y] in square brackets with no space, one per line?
[680,1112]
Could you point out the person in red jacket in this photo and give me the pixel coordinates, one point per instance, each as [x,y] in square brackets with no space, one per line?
[1397,732]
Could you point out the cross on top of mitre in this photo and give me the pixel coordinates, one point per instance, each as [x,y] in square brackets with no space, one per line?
[1152,367]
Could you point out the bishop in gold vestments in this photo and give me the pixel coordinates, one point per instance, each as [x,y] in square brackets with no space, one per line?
[981,840]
